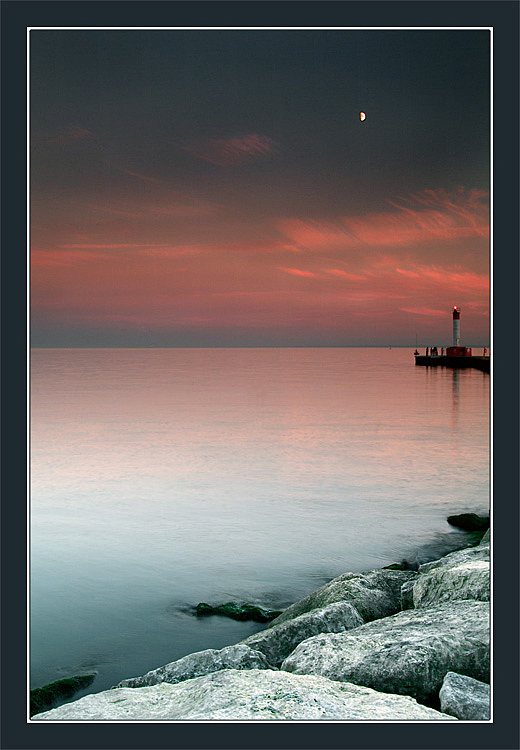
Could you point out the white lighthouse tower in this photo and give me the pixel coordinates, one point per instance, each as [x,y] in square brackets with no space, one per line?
[456,325]
[456,350]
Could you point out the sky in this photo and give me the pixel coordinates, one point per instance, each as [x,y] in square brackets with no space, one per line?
[218,188]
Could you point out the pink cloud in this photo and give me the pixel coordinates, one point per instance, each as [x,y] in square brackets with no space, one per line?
[410,274]
[107,246]
[456,278]
[424,311]
[344,275]
[299,272]
[226,152]
[431,215]
[40,257]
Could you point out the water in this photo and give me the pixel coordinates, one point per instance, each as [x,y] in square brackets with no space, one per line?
[165,477]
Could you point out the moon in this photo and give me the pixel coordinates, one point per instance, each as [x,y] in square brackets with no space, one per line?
[362,116]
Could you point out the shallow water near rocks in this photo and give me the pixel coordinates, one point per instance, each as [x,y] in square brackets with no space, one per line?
[161,478]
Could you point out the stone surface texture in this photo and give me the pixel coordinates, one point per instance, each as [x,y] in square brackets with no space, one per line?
[374,594]
[407,594]
[233,695]
[200,663]
[486,539]
[408,653]
[469,580]
[277,642]
[465,698]
[461,556]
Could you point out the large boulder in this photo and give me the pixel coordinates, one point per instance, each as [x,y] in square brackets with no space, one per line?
[466,580]
[408,653]
[465,698]
[374,594]
[461,556]
[201,663]
[258,695]
[469,522]
[278,642]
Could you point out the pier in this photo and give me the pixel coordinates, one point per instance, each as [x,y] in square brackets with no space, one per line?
[439,360]
[456,355]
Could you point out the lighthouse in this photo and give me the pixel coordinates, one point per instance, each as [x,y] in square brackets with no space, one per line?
[456,325]
[456,354]
[456,350]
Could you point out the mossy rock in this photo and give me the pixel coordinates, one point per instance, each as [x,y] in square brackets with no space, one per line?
[237,611]
[470,522]
[46,697]
[397,566]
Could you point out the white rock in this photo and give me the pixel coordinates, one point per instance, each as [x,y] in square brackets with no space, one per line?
[374,594]
[408,653]
[201,663]
[465,698]
[468,554]
[261,695]
[467,580]
[278,641]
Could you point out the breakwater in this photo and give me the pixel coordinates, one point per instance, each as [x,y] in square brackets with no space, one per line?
[440,360]
[387,644]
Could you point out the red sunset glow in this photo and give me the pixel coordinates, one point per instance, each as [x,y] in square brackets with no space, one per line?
[278,224]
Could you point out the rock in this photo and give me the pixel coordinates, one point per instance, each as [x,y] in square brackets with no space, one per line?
[374,594]
[465,698]
[407,594]
[278,641]
[200,663]
[237,611]
[47,696]
[408,653]
[258,695]
[461,556]
[486,539]
[469,522]
[467,580]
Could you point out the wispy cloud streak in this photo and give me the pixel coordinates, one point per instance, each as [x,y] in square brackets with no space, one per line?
[62,136]
[431,215]
[228,152]
[140,176]
[300,272]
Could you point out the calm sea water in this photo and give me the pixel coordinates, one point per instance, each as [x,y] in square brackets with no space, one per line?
[165,477]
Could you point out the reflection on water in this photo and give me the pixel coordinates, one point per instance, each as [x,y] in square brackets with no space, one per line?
[455,383]
[161,478]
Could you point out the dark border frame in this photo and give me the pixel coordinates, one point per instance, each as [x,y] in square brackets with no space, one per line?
[503,16]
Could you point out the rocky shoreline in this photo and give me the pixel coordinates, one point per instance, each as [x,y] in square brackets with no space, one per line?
[385,645]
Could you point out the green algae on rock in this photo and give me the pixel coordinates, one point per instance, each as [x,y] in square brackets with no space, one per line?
[237,611]
[46,697]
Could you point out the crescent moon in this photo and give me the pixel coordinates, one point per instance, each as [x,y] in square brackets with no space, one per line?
[362,116]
